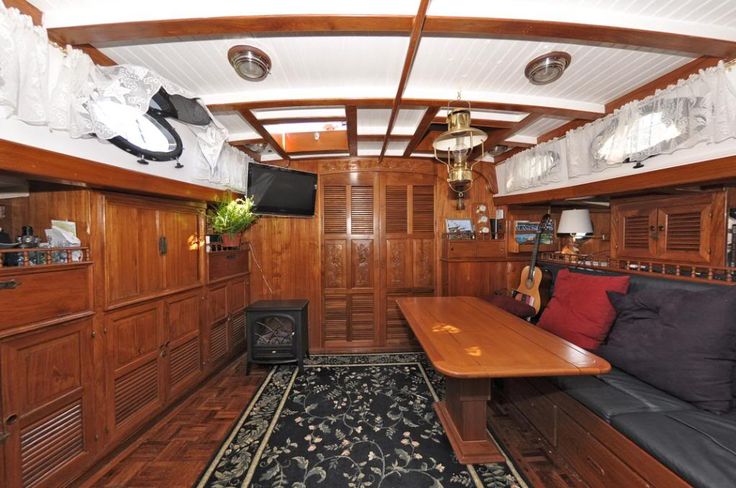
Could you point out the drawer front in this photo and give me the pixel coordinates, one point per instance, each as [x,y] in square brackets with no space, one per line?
[227,263]
[217,303]
[491,249]
[35,296]
[540,411]
[598,466]
[460,249]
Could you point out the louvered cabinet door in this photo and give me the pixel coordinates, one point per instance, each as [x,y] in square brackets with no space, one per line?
[134,350]
[684,231]
[184,362]
[407,248]
[47,397]
[349,260]
[634,231]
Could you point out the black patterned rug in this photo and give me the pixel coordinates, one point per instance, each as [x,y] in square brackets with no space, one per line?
[348,421]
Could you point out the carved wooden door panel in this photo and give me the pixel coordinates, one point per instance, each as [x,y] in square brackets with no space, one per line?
[407,248]
[47,396]
[349,259]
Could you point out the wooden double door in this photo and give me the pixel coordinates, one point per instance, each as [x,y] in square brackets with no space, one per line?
[378,245]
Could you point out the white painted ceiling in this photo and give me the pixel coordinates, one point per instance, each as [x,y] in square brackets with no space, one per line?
[354,67]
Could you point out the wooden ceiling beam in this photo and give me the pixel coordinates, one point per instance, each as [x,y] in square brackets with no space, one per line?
[596,35]
[422,129]
[522,29]
[411,53]
[499,136]
[137,31]
[488,124]
[410,103]
[351,111]
[26,8]
[258,127]
[379,137]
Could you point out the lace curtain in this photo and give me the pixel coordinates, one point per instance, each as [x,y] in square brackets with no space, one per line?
[537,166]
[699,109]
[43,85]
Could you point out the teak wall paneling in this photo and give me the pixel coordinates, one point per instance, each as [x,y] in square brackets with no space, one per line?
[47,396]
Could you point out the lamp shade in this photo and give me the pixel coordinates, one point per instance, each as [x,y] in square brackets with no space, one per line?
[575,222]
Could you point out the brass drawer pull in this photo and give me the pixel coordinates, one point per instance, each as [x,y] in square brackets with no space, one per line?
[9,285]
[3,436]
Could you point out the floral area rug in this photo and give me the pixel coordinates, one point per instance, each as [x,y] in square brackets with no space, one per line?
[348,421]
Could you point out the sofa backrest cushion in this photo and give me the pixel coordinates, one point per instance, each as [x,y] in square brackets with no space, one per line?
[580,310]
[680,341]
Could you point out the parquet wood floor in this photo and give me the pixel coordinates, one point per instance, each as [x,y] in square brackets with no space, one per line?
[174,452]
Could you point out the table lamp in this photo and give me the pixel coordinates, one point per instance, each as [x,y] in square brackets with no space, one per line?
[576,224]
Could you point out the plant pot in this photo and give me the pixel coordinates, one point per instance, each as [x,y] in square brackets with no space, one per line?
[231,240]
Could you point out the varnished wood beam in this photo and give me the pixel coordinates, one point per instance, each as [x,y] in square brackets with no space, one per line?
[498,136]
[258,127]
[411,53]
[379,138]
[596,35]
[97,56]
[422,129]
[219,26]
[351,111]
[711,171]
[36,163]
[523,29]
[26,8]
[405,102]
[489,124]
[561,130]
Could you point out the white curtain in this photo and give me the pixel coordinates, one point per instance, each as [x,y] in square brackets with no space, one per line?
[536,166]
[43,85]
[699,109]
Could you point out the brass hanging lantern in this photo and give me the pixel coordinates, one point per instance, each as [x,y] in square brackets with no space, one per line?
[456,145]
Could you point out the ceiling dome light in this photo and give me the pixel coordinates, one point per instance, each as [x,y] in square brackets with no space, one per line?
[250,63]
[547,68]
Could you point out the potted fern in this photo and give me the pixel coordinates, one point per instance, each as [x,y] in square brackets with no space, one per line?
[230,218]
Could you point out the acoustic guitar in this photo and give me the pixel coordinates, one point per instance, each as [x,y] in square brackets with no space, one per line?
[535,283]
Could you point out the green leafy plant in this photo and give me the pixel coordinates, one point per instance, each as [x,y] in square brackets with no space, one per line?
[232,216]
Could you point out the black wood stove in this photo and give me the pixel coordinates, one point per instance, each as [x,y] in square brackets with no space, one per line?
[277,332]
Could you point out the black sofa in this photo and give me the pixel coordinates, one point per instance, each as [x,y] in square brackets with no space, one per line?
[697,445]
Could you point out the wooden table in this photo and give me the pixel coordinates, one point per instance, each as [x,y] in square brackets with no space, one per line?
[469,341]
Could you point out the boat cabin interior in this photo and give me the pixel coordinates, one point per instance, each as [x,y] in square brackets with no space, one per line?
[368,244]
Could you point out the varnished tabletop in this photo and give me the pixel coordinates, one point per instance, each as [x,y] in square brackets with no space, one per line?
[466,337]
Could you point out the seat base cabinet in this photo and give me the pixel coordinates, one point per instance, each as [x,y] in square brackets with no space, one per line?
[602,456]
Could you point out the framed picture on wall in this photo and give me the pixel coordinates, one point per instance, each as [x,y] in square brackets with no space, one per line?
[458,226]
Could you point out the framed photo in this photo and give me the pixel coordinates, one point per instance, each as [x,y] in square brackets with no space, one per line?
[458,226]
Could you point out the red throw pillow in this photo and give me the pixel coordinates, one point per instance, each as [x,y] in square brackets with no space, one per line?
[579,310]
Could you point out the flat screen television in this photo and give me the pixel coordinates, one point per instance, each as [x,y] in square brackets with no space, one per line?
[281,191]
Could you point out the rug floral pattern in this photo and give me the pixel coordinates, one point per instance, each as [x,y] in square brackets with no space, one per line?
[352,421]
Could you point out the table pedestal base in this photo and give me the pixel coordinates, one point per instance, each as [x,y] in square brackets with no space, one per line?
[463,416]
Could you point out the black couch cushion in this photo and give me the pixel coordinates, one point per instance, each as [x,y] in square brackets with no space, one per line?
[618,393]
[682,342]
[697,445]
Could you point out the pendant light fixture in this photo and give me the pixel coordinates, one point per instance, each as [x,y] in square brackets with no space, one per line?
[453,148]
[250,63]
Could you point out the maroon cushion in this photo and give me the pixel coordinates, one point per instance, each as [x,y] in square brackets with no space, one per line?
[512,306]
[580,310]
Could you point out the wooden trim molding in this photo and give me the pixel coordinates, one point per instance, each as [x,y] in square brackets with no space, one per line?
[596,35]
[351,112]
[26,8]
[42,164]
[411,53]
[708,171]
[258,127]
[422,129]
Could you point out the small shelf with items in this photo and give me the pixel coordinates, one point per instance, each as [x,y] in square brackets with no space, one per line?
[37,257]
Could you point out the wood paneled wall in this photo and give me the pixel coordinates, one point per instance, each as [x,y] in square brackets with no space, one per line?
[289,249]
